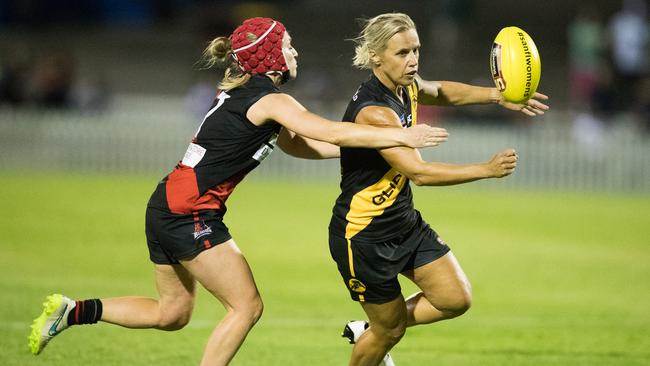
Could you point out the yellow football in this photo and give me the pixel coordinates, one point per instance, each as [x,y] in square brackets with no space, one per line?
[515,64]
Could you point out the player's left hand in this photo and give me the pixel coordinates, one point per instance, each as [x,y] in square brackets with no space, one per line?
[532,107]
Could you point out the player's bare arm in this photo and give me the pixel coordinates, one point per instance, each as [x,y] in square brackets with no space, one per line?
[306,148]
[409,161]
[285,110]
[451,93]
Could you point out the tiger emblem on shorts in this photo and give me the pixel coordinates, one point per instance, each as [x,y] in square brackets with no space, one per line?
[356,286]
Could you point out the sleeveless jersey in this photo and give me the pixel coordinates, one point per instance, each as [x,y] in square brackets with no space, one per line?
[376,202]
[226,147]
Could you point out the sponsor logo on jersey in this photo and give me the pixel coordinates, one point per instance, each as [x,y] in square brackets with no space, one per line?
[406,120]
[266,148]
[193,155]
[388,191]
[372,201]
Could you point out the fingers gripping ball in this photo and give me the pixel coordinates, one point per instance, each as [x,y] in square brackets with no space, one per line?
[515,64]
[257,45]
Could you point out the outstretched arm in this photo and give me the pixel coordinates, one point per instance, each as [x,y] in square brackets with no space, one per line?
[285,110]
[423,173]
[446,93]
[409,161]
[306,148]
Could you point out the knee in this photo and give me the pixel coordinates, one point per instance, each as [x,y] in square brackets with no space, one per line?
[460,302]
[396,334]
[175,320]
[176,316]
[256,310]
[250,311]
[391,336]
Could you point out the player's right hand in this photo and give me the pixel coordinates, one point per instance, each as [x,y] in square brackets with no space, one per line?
[425,136]
[503,163]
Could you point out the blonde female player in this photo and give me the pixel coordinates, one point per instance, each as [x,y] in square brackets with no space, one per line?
[375,231]
[187,239]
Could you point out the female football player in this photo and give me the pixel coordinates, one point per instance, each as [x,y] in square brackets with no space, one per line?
[375,231]
[186,236]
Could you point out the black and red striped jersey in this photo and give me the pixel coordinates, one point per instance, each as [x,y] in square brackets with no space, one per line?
[226,147]
[376,202]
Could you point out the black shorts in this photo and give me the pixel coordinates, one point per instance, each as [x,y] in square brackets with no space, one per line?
[370,269]
[172,237]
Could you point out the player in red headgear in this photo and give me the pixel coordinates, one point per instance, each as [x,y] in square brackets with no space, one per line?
[264,53]
[187,239]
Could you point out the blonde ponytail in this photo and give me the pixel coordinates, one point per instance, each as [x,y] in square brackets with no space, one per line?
[219,54]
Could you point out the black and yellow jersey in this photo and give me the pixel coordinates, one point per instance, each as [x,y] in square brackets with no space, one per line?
[376,202]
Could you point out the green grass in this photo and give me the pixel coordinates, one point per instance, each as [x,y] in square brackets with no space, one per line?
[558,278]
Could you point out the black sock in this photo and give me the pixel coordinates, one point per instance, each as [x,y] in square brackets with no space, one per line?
[86,312]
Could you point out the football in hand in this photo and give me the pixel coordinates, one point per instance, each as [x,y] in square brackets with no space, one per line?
[515,64]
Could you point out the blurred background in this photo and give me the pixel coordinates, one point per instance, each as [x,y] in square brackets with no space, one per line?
[99,99]
[114,86]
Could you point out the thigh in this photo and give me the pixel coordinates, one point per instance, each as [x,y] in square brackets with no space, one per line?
[442,281]
[176,287]
[225,273]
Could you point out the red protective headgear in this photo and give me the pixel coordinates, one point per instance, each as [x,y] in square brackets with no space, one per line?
[264,54]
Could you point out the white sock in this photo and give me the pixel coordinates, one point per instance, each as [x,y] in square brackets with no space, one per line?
[387,361]
[358,327]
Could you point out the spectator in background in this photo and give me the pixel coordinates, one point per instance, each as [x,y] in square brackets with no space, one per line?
[14,73]
[586,35]
[591,85]
[630,35]
[644,105]
[52,81]
[91,94]
[447,22]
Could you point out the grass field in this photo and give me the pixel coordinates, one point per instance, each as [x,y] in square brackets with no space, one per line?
[558,278]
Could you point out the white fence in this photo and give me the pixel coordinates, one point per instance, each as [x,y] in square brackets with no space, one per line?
[148,135]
